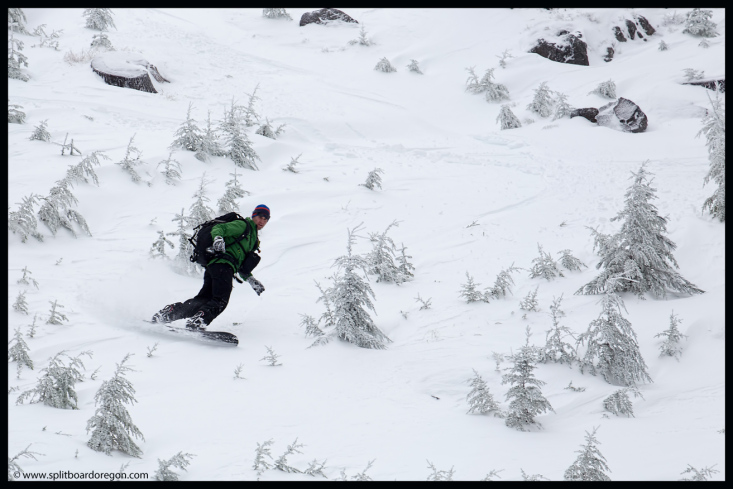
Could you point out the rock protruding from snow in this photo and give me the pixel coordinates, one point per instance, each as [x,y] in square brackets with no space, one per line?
[633,29]
[324,16]
[570,48]
[710,83]
[589,113]
[128,70]
[624,115]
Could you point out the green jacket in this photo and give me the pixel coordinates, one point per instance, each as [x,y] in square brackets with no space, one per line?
[236,253]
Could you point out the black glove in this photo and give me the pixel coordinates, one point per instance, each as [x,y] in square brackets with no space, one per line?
[256,285]
[219,246]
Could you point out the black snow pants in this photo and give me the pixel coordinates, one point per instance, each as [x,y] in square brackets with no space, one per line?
[213,297]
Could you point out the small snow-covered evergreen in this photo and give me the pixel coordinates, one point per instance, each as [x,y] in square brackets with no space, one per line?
[15,115]
[507,119]
[180,460]
[362,40]
[182,261]
[439,475]
[17,20]
[238,146]
[638,258]
[503,283]
[26,279]
[663,45]
[23,221]
[56,387]
[188,136]
[413,67]
[20,305]
[699,475]
[691,75]
[14,470]
[18,352]
[529,303]
[56,317]
[699,23]
[542,103]
[267,131]
[47,40]
[504,56]
[131,160]
[16,60]
[373,179]
[469,291]
[99,19]
[605,89]
[714,131]
[612,349]
[171,169]
[619,403]
[385,66]
[291,166]
[250,117]
[85,168]
[282,462]
[276,13]
[271,357]
[261,452]
[555,349]
[200,212]
[101,41]
[569,262]
[381,260]
[704,43]
[56,209]
[210,145]
[234,190]
[480,400]
[672,336]
[494,92]
[111,426]
[591,464]
[544,266]
[157,250]
[562,107]
[40,132]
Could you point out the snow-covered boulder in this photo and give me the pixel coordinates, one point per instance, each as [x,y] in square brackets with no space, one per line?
[568,48]
[624,115]
[125,69]
[324,16]
[633,29]
[589,113]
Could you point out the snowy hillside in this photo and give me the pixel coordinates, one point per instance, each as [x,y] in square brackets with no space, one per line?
[469,197]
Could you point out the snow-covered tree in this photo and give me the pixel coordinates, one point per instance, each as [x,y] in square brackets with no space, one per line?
[469,291]
[704,43]
[439,475]
[663,45]
[525,397]
[20,305]
[699,475]
[569,262]
[350,297]
[262,451]
[562,107]
[373,179]
[56,209]
[15,115]
[99,19]
[405,267]
[672,336]
[291,166]
[619,403]
[171,170]
[612,349]
[233,191]
[101,41]
[209,143]
[131,160]
[111,426]
[699,23]
[381,260]
[480,400]
[17,20]
[507,119]
[199,211]
[182,260]
[639,257]
[271,357]
[55,387]
[413,67]
[26,279]
[316,468]
[180,460]
[70,146]
[267,130]
[250,117]
[238,146]
[158,247]
[56,317]
[47,40]
[188,136]
[494,92]
[282,462]
[714,131]
[362,40]
[605,89]
[14,470]
[276,13]
[591,464]
[85,168]
[40,132]
[385,66]
[557,350]
[23,221]
[529,303]
[504,56]
[544,266]
[19,352]
[16,59]
[542,102]
[503,283]
[311,326]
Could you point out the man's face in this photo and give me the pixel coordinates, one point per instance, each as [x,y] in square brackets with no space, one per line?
[260,221]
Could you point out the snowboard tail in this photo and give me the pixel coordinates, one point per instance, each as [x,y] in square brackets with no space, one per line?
[211,336]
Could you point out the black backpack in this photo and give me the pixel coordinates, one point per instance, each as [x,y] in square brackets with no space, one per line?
[202,240]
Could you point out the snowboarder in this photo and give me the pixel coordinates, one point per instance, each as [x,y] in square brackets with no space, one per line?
[239,258]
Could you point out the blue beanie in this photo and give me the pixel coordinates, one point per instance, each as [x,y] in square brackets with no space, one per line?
[261,210]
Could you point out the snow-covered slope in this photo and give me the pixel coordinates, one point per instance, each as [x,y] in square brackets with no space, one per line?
[468,198]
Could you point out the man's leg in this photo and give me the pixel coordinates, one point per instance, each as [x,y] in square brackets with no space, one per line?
[186,309]
[216,298]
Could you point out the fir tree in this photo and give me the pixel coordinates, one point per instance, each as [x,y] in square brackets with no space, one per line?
[233,191]
[209,143]
[101,41]
[562,108]
[56,317]
[363,40]
[20,305]
[188,136]
[40,133]
[200,212]
[351,296]
[14,470]
[639,257]
[171,170]
[291,166]
[381,260]
[569,262]
[180,460]
[239,147]
[439,475]
[17,20]
[271,357]
[99,19]
[158,248]
[55,387]
[612,348]
[19,352]
[605,89]
[525,396]
[267,131]
[544,266]
[32,327]
[385,66]
[316,468]
[23,221]
[311,326]
[663,45]
[503,283]
[590,464]
[46,39]
[699,23]
[504,56]
[480,400]
[619,403]
[15,115]
[533,477]
[699,475]
[262,451]
[276,13]
[26,279]
[185,249]
[672,336]
[714,131]
[507,119]
[85,168]
[250,116]
[413,67]
[405,268]
[129,162]
[493,91]
[470,293]
[282,462]
[16,60]
[556,350]
[542,102]
[373,179]
[704,43]
[529,303]
[56,209]
[691,75]
[111,426]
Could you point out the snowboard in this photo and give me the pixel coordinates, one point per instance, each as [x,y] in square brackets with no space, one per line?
[201,334]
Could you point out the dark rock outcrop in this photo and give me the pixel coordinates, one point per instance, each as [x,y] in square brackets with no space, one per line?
[324,16]
[631,28]
[622,114]
[127,70]
[634,28]
[571,49]
[710,84]
[619,34]
[609,54]
[589,113]
[645,25]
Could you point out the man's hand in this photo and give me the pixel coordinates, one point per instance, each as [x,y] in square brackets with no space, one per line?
[256,285]
[219,244]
